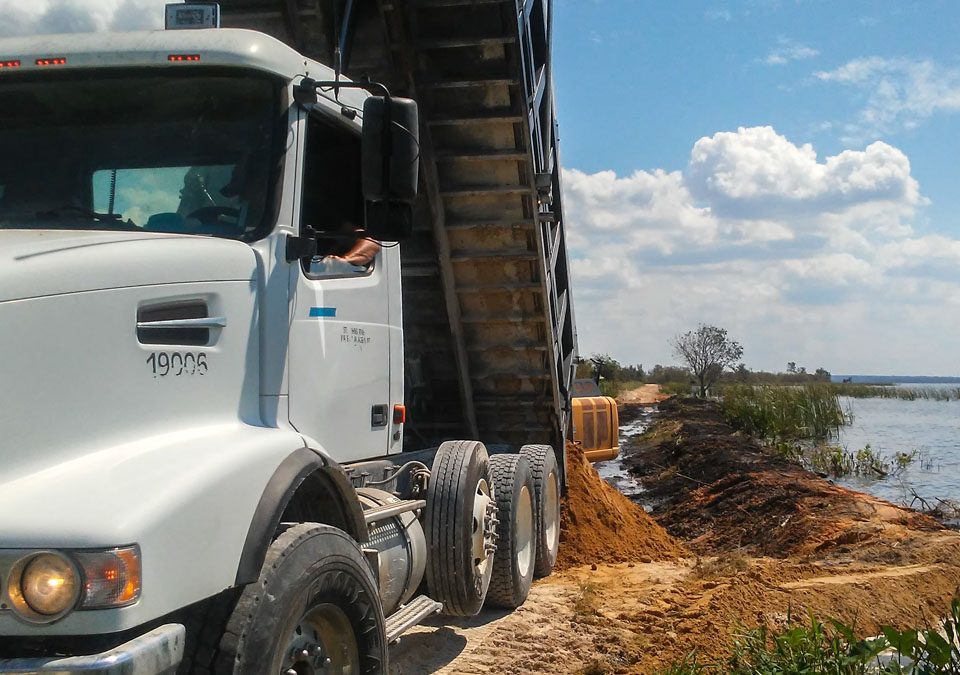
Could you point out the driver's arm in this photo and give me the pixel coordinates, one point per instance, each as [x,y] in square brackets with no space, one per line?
[361,253]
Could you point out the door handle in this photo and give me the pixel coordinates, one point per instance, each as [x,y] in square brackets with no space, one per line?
[378,416]
[203,322]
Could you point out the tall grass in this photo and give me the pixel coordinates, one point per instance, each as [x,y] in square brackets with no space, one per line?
[904,393]
[811,411]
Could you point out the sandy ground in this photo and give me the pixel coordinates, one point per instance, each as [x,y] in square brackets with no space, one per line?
[746,542]
[647,394]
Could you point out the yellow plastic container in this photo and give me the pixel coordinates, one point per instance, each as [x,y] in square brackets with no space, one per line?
[596,426]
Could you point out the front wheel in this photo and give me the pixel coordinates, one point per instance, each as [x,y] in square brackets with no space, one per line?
[315,609]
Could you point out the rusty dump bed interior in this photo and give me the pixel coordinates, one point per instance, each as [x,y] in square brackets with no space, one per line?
[488,322]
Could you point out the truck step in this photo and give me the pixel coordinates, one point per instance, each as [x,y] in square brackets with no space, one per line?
[410,615]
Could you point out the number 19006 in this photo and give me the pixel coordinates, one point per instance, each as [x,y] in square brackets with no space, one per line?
[175,364]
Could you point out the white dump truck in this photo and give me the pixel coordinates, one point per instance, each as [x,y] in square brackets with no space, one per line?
[232,411]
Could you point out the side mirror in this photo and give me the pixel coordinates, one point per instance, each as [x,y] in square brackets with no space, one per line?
[391,165]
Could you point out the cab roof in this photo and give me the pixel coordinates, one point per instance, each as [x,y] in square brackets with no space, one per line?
[204,47]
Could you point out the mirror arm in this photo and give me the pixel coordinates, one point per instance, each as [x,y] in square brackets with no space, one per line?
[302,246]
[305,93]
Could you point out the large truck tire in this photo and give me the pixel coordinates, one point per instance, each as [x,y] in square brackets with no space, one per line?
[205,623]
[516,554]
[546,480]
[460,526]
[315,608]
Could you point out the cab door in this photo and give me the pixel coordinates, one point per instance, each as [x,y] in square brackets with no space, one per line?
[339,353]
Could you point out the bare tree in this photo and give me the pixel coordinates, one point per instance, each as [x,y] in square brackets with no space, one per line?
[707,351]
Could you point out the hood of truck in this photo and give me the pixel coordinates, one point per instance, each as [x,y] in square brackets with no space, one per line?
[78,376]
[39,263]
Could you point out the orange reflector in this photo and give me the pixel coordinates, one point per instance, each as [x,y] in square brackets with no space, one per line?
[15,63]
[130,557]
[399,414]
[58,61]
[183,57]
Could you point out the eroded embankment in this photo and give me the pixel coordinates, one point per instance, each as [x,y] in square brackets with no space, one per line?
[715,489]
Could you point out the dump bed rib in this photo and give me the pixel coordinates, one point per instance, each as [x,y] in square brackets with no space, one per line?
[488,320]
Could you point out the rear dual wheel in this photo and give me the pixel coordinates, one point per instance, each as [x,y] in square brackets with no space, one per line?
[546,479]
[460,527]
[514,561]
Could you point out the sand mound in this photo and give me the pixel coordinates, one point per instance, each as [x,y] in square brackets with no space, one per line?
[600,525]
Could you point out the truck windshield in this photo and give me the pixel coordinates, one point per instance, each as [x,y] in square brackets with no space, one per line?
[179,152]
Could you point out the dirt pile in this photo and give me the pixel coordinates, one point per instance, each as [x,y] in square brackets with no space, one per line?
[600,525]
[717,490]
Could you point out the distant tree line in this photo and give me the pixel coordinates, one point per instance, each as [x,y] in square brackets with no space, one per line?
[608,369]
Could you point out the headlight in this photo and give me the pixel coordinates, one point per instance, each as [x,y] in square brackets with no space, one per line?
[44,587]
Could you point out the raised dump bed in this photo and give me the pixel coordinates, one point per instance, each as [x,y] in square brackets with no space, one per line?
[488,322]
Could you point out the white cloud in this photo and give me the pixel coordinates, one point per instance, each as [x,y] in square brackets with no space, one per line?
[787,51]
[898,94]
[802,258]
[38,17]
[757,172]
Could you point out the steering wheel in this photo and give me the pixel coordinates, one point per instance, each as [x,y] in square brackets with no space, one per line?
[210,214]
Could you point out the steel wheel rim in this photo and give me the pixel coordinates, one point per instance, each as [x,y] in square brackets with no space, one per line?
[322,642]
[551,514]
[484,529]
[524,527]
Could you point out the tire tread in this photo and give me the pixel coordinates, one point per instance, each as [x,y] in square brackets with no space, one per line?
[537,455]
[503,591]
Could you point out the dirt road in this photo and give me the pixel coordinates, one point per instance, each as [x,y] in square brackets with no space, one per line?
[764,538]
[647,394]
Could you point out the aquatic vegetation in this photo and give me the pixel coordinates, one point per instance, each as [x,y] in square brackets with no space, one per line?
[810,411]
[889,391]
[837,462]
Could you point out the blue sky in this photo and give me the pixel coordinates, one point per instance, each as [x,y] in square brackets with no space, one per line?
[856,272]
[782,168]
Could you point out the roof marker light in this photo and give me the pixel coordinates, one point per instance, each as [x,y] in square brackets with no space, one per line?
[183,57]
[58,61]
[13,63]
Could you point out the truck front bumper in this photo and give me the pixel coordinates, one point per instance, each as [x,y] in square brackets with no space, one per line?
[158,652]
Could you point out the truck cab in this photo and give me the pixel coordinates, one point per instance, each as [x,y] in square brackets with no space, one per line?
[202,370]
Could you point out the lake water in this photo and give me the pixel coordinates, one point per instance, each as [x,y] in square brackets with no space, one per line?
[892,425]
